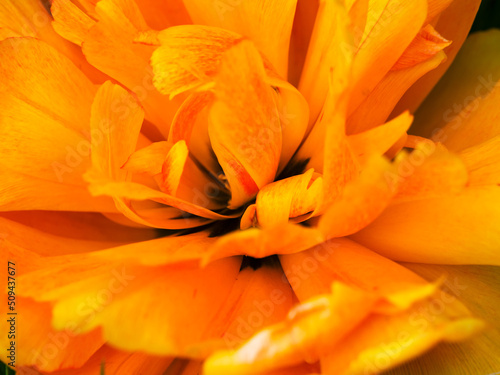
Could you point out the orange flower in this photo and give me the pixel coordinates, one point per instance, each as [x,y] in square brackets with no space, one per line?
[228,186]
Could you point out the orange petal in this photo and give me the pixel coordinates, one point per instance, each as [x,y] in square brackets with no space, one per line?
[390,28]
[379,104]
[311,272]
[148,159]
[267,23]
[30,19]
[108,286]
[453,24]
[42,347]
[458,229]
[160,15]
[328,58]
[303,24]
[427,44]
[362,201]
[429,171]
[178,68]
[70,21]
[380,139]
[114,361]
[453,112]
[258,299]
[45,148]
[112,40]
[244,128]
[115,133]
[260,243]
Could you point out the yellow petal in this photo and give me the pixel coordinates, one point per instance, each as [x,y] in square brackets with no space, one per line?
[267,23]
[458,229]
[289,198]
[483,162]
[453,24]
[477,287]
[244,127]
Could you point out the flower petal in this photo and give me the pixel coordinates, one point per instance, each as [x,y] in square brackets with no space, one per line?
[267,23]
[45,148]
[328,54]
[289,198]
[458,229]
[244,127]
[260,243]
[114,361]
[454,24]
[460,108]
[109,286]
[378,140]
[391,26]
[70,21]
[362,200]
[477,287]
[483,162]
[112,40]
[41,346]
[379,104]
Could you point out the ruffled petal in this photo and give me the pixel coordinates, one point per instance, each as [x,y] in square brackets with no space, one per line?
[289,198]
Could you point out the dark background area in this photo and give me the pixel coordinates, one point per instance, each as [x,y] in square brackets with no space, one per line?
[488,17]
